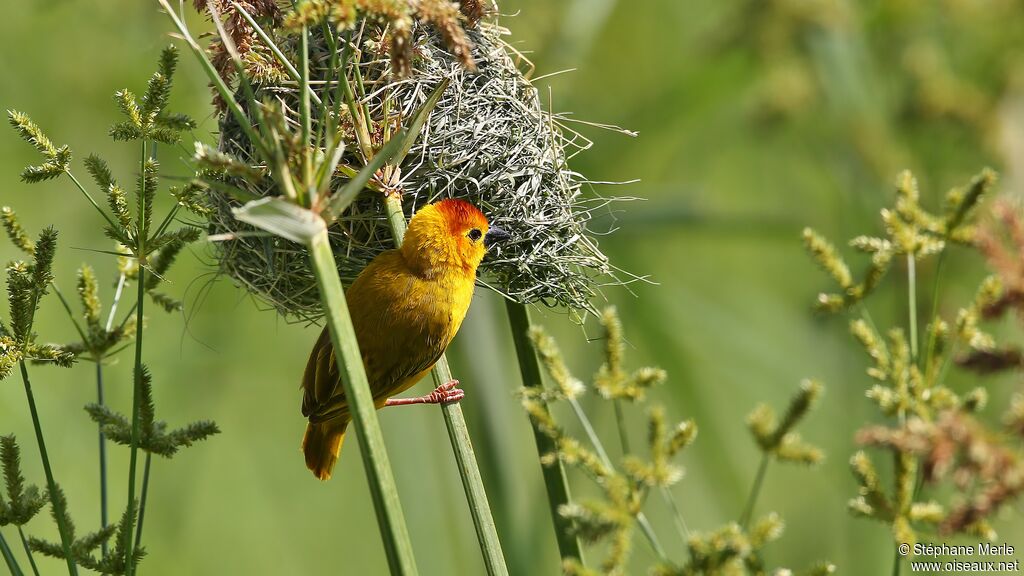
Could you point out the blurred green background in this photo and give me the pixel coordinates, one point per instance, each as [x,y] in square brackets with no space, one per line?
[754,119]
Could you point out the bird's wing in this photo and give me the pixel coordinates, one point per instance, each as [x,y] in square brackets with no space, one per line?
[403,324]
[321,377]
[408,330]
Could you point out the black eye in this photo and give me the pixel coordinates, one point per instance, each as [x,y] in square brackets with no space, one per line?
[475,234]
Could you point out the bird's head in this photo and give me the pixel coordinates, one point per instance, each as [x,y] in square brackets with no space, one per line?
[450,235]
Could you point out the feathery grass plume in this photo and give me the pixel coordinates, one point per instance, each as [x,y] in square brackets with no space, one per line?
[15,232]
[154,437]
[933,436]
[516,169]
[778,441]
[84,549]
[611,381]
[27,283]
[152,247]
[614,519]
[146,119]
[778,438]
[1001,241]
[731,550]
[910,231]
[57,159]
[99,341]
[22,502]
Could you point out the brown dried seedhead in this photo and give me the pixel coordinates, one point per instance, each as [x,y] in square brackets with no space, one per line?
[958,448]
[1001,240]
[1002,243]
[242,36]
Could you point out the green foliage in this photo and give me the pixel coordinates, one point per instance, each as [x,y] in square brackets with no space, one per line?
[910,231]
[153,434]
[22,502]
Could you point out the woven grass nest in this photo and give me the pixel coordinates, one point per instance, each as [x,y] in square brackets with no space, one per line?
[488,140]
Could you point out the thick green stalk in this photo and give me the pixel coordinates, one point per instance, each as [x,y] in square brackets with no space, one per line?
[364,413]
[9,559]
[458,433]
[555,479]
[472,482]
[51,484]
[28,551]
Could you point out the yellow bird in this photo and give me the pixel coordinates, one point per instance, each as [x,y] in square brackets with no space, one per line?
[406,307]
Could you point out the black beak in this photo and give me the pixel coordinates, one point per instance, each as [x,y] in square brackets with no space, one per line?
[495,235]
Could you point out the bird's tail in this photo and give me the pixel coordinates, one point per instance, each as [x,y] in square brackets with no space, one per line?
[321,444]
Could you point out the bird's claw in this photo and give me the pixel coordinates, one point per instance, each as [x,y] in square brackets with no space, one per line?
[447,393]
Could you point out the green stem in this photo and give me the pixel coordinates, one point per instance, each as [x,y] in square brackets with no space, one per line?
[896,564]
[458,433]
[67,308]
[104,501]
[28,551]
[142,499]
[677,515]
[929,352]
[92,201]
[912,303]
[104,519]
[755,491]
[9,559]
[393,530]
[51,484]
[136,398]
[620,421]
[588,429]
[140,251]
[555,479]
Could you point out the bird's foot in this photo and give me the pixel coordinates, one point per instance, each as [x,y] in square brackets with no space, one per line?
[444,394]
